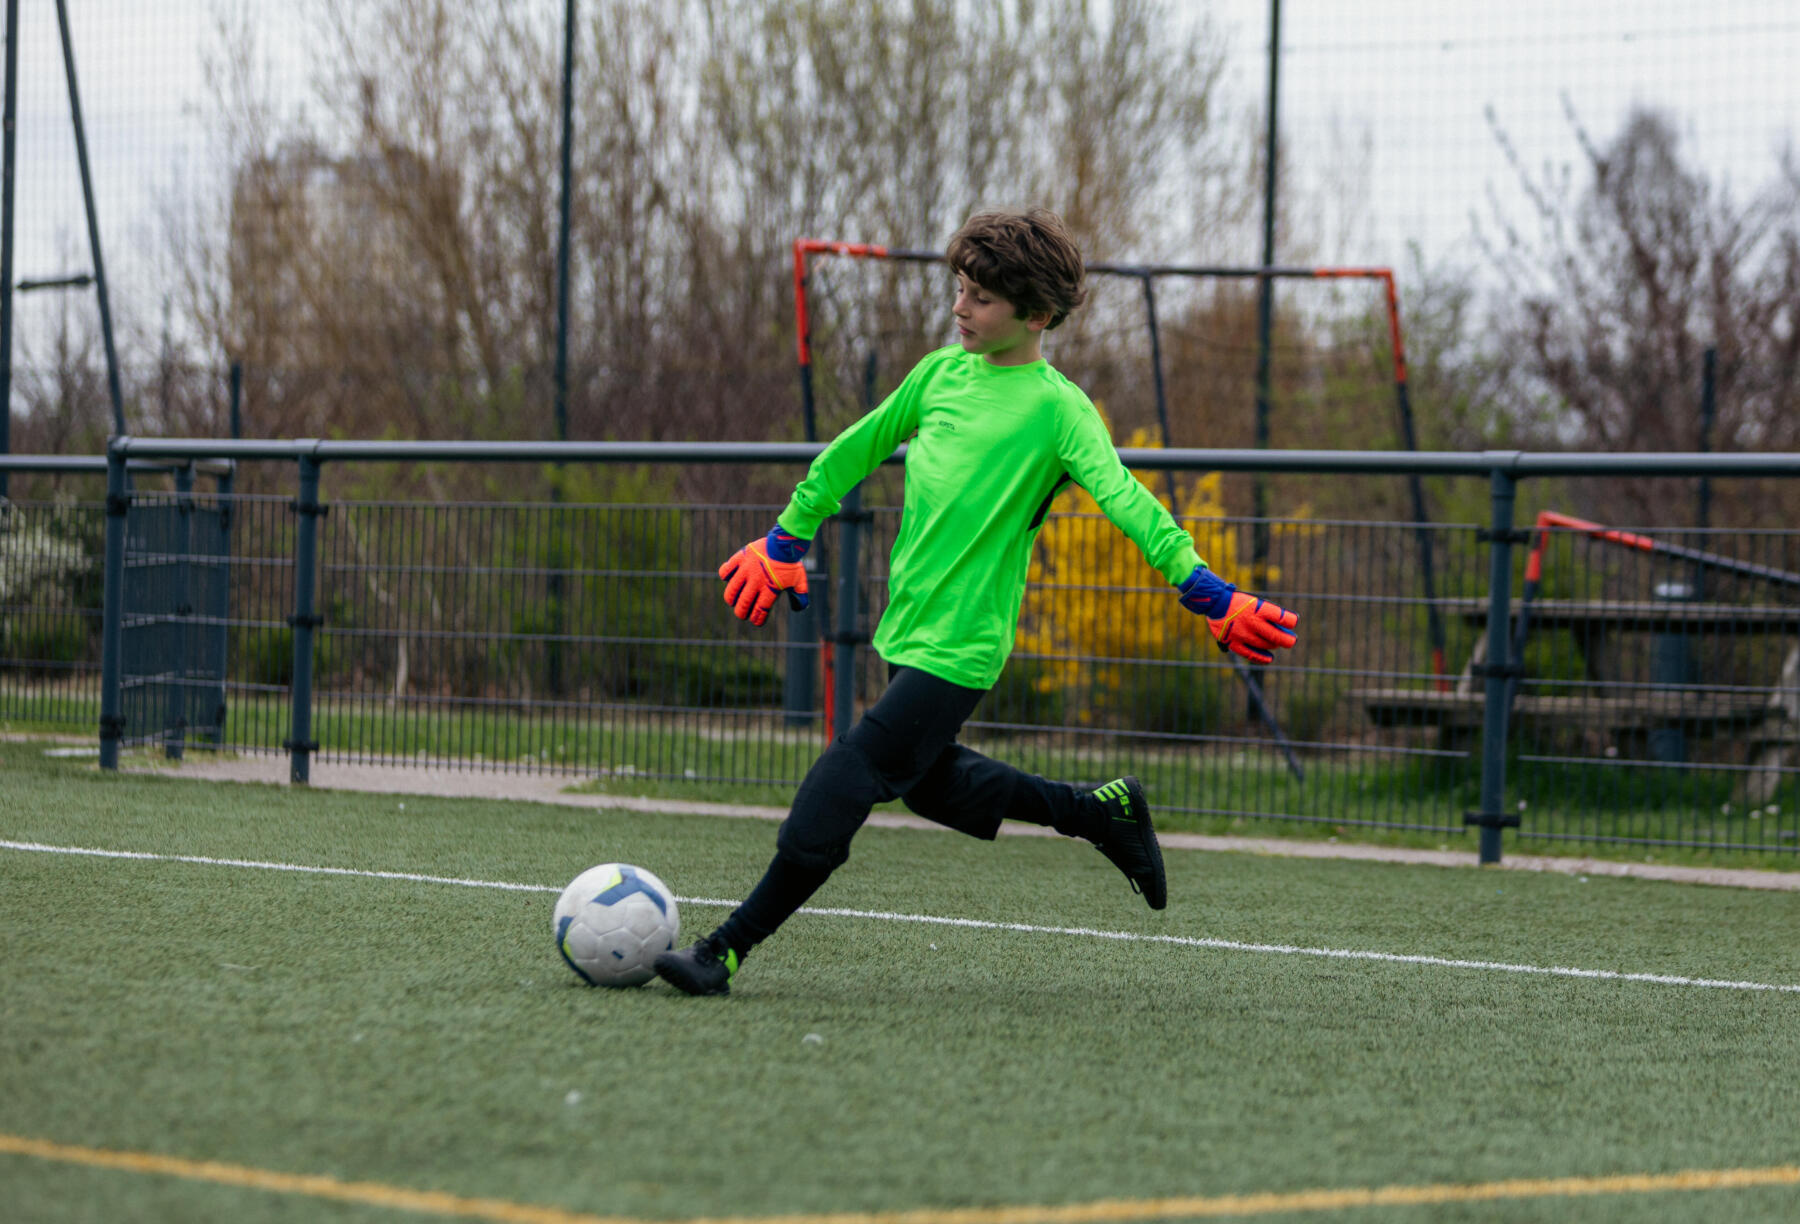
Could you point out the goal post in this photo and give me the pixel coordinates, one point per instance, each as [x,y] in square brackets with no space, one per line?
[1147,276]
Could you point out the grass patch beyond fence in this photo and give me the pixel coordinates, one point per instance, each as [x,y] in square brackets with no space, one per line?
[1600,808]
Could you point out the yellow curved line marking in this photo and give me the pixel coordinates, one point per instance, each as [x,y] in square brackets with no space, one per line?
[1104,1211]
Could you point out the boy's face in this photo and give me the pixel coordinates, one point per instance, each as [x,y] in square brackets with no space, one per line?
[989,327]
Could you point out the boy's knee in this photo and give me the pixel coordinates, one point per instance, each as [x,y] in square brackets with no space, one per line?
[848,772]
[810,847]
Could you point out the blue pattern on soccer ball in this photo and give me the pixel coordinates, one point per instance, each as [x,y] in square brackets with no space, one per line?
[629,884]
[562,933]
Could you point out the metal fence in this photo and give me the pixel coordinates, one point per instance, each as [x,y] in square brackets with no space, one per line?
[1597,684]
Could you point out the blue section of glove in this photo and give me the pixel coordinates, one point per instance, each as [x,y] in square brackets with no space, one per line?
[784,547]
[1206,593]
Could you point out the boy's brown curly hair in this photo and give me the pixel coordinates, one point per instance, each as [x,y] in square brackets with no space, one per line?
[1028,258]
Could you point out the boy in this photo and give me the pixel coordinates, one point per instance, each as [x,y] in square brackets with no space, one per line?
[994,432]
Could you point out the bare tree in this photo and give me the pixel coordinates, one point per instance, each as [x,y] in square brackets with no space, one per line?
[59,378]
[1628,280]
[388,265]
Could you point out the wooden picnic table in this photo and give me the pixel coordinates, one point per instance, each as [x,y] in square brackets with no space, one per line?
[1770,717]
[1647,616]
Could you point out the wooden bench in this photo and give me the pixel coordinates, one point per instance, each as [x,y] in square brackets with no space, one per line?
[1771,719]
[1728,620]
[1646,711]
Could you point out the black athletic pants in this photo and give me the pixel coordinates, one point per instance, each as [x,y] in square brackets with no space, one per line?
[904,747]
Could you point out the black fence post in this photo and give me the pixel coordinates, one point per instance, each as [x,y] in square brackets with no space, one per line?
[305,620]
[802,647]
[175,695]
[1499,670]
[218,638]
[112,605]
[845,641]
[9,145]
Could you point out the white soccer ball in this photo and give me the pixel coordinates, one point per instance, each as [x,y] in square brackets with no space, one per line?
[612,921]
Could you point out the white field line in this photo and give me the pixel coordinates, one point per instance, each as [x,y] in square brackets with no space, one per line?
[1184,941]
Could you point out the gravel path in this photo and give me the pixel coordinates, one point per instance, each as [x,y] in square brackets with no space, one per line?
[429,779]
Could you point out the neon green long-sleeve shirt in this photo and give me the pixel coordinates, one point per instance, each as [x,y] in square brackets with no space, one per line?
[987,447]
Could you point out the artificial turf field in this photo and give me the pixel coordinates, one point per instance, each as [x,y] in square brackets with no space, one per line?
[186,1040]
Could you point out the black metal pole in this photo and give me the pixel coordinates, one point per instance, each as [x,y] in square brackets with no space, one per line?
[1265,303]
[7,159]
[93,220]
[811,625]
[182,623]
[553,660]
[1709,369]
[220,603]
[112,606]
[1434,621]
[1499,671]
[809,423]
[1156,361]
[306,621]
[851,520]
[562,240]
[237,399]
[1156,370]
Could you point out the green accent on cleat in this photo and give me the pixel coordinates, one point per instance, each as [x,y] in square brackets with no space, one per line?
[1118,791]
[1129,840]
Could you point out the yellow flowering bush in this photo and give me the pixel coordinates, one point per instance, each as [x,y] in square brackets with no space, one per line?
[1094,608]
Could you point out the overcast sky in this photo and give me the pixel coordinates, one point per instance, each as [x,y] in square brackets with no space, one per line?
[1422,74]
[1417,77]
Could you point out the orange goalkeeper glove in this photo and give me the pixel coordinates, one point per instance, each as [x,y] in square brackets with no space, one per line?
[1243,624]
[762,570]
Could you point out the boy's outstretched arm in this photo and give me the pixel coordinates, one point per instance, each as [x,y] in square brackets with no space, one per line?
[1243,624]
[756,574]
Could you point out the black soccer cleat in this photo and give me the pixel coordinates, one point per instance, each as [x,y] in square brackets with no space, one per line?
[1129,840]
[704,968]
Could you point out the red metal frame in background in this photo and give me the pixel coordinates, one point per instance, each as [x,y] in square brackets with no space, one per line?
[1547,520]
[1147,274]
[804,247]
[1551,520]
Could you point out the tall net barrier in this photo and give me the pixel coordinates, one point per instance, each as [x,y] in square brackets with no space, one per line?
[332,198]
[1648,690]
[1170,352]
[1172,355]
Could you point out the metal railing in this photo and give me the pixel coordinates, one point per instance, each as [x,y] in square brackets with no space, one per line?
[1635,695]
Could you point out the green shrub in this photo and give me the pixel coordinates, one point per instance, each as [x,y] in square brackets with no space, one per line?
[1173,698]
[686,677]
[1024,694]
[62,639]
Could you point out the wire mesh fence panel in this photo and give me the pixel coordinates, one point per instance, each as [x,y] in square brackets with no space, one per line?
[1659,697]
[575,638]
[50,594]
[1651,699]
[174,635]
[259,669]
[1112,675]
